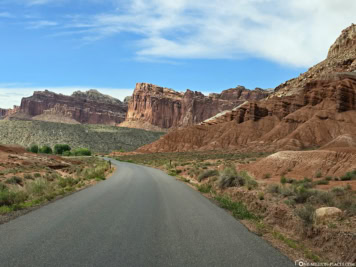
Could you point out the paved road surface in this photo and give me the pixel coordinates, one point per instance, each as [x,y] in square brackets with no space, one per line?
[138,217]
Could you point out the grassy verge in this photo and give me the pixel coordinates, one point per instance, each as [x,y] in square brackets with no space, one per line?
[18,194]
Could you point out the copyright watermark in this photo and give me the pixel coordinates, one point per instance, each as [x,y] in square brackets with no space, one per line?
[303,263]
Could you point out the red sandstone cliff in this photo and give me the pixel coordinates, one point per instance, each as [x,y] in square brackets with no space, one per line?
[165,108]
[312,110]
[8,112]
[82,107]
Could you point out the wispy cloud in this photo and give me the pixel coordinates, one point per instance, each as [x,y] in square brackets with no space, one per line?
[41,24]
[294,32]
[6,15]
[11,95]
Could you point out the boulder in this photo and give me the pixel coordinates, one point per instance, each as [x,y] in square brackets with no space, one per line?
[327,212]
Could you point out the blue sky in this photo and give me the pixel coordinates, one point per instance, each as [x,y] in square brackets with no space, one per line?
[208,46]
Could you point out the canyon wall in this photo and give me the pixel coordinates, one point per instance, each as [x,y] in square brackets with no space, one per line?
[165,108]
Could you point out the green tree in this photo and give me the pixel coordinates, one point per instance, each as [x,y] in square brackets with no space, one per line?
[34,148]
[60,148]
[46,149]
[82,152]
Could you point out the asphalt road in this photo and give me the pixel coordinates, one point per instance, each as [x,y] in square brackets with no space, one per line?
[138,217]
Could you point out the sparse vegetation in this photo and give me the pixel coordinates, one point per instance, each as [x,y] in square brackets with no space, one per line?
[238,209]
[36,188]
[306,213]
[207,174]
[97,138]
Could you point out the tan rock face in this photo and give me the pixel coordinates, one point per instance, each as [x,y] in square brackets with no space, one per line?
[166,108]
[309,111]
[83,107]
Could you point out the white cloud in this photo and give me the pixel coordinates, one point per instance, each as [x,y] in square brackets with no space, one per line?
[6,15]
[11,95]
[294,32]
[41,24]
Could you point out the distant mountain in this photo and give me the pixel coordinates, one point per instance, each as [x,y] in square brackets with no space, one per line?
[90,107]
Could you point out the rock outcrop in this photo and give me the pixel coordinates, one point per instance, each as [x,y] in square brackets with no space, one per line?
[8,112]
[165,108]
[310,111]
[89,107]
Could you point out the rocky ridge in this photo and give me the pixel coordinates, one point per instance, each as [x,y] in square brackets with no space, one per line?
[89,107]
[309,111]
[164,108]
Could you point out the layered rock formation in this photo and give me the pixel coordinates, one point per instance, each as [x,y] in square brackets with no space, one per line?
[309,111]
[89,107]
[8,112]
[165,108]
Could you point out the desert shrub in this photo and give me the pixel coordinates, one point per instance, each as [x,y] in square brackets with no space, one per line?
[207,174]
[46,149]
[321,197]
[174,172]
[8,198]
[322,182]
[238,209]
[306,213]
[60,148]
[204,188]
[229,178]
[2,187]
[274,189]
[266,176]
[67,153]
[67,182]
[28,176]
[286,191]
[261,196]
[302,194]
[338,191]
[33,148]
[14,180]
[283,180]
[37,175]
[318,174]
[349,176]
[82,152]
[38,187]
[251,184]
[97,172]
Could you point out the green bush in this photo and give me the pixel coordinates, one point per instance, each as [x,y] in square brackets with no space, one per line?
[302,194]
[207,174]
[82,152]
[67,154]
[266,176]
[204,188]
[306,213]
[274,189]
[14,180]
[283,180]
[60,148]
[46,149]
[8,198]
[34,148]
[349,176]
[238,209]
[229,178]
